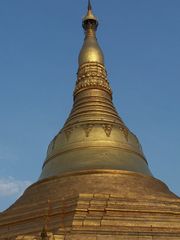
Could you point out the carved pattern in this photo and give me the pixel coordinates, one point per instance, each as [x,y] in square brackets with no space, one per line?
[107,128]
[125,132]
[92,75]
[68,132]
[87,128]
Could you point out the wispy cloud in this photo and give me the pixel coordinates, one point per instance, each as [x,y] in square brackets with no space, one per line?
[12,187]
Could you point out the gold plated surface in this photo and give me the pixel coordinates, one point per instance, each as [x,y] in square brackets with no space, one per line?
[94,136]
[91,51]
[107,203]
[95,182]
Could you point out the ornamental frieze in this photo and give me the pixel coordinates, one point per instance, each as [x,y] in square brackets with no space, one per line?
[107,128]
[87,128]
[92,75]
[125,132]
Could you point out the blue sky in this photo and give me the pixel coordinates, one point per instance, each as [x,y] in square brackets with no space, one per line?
[39,45]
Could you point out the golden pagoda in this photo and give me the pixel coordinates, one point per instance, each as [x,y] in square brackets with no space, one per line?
[95,182]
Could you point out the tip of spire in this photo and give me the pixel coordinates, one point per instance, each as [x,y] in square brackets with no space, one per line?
[89,5]
[90,17]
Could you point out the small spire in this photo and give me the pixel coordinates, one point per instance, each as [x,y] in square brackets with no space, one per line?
[89,5]
[90,20]
[91,51]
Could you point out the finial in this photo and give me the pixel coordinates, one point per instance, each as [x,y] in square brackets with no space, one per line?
[90,21]
[89,5]
[91,51]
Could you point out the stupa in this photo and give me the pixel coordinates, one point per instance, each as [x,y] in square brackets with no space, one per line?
[95,181]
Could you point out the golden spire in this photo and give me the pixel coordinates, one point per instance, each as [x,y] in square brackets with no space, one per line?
[94,136]
[91,51]
[90,17]
[89,5]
